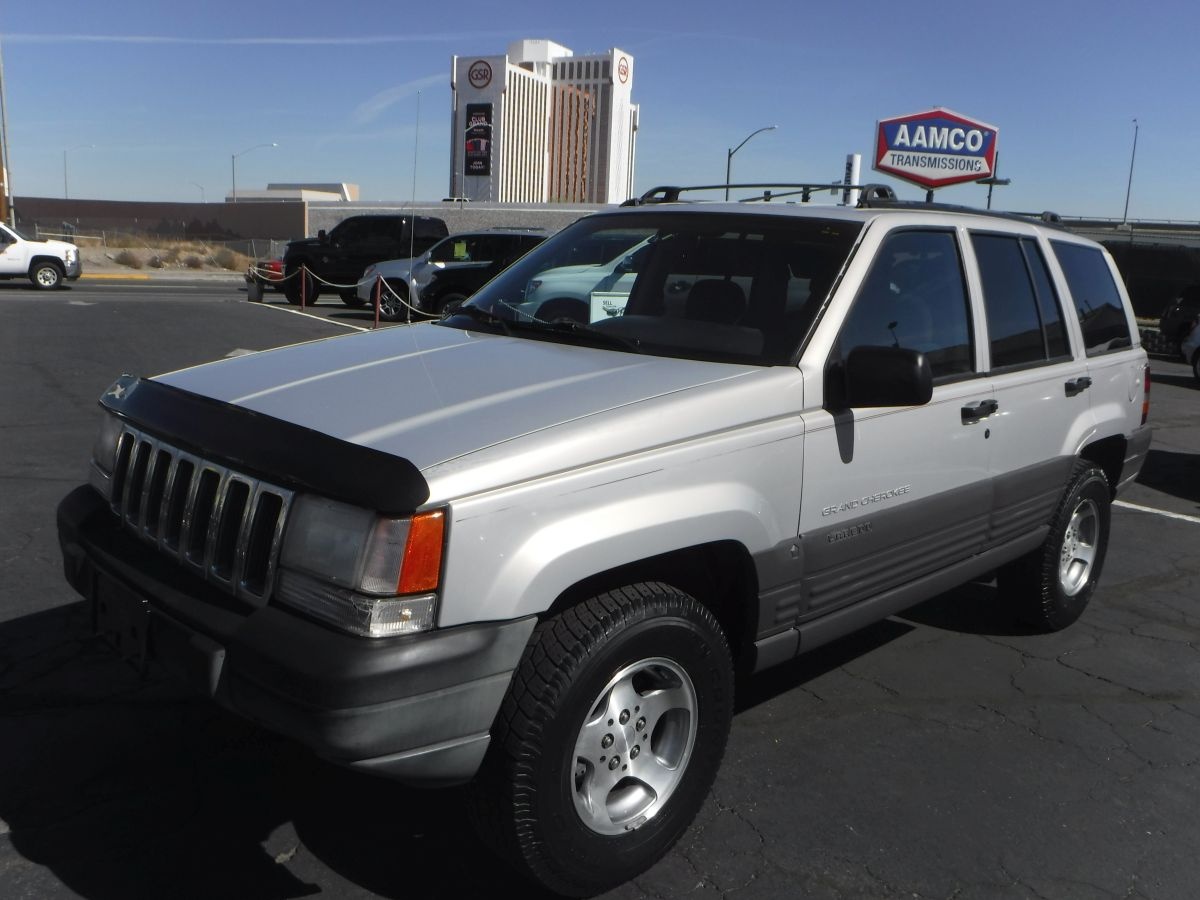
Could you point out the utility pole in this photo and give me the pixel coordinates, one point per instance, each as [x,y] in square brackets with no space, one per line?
[7,214]
[1129,185]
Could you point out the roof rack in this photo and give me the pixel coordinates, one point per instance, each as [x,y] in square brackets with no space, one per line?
[1046,217]
[871,196]
[770,191]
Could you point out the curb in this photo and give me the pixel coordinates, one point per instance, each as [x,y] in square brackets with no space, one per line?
[113,276]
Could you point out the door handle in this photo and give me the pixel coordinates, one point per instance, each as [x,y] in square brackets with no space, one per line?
[1077,385]
[974,412]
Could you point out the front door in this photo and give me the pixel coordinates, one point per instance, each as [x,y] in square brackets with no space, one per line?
[14,259]
[893,494]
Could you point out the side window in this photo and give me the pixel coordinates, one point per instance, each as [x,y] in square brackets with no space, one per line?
[380,233]
[1097,300]
[1048,303]
[449,250]
[485,248]
[1024,326]
[914,298]
[349,231]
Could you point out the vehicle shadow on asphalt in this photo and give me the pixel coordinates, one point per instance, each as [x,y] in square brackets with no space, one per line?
[1183,381]
[124,785]
[1174,473]
[975,608]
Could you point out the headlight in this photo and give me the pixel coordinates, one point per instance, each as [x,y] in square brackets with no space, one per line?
[104,455]
[72,255]
[366,574]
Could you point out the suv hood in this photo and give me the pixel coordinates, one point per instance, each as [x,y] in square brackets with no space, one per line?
[430,393]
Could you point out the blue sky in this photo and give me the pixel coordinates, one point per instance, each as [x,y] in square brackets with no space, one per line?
[166,92]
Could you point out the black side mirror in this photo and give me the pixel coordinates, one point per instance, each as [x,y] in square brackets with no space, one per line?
[887,376]
[322,236]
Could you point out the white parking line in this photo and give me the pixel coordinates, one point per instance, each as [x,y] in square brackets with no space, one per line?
[296,312]
[1158,512]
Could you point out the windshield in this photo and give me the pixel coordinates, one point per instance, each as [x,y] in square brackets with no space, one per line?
[736,288]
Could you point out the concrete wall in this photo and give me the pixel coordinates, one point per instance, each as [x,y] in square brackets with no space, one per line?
[458,216]
[204,221]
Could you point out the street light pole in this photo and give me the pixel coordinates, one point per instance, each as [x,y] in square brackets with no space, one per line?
[66,195]
[194,184]
[233,165]
[1129,186]
[729,155]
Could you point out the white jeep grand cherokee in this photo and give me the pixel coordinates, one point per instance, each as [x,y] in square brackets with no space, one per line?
[538,566]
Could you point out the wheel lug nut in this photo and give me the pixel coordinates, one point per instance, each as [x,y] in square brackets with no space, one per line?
[633,754]
[607,741]
[614,762]
[640,724]
[624,716]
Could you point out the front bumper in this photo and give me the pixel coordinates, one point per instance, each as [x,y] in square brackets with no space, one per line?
[74,270]
[415,708]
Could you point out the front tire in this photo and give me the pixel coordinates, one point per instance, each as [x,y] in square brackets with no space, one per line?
[1196,365]
[609,739]
[1051,586]
[351,299]
[46,276]
[391,304]
[448,304]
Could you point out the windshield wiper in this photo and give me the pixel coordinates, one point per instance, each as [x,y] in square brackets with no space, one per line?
[583,333]
[479,314]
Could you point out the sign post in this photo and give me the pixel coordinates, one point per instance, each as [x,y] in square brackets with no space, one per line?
[935,149]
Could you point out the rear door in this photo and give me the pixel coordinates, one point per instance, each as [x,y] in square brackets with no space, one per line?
[1041,388]
[1106,330]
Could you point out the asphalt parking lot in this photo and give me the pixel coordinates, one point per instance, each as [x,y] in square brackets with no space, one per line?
[945,753]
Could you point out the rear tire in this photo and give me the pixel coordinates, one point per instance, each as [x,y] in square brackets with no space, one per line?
[1051,586]
[46,275]
[291,288]
[608,740]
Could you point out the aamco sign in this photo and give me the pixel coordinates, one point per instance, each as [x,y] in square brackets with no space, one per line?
[935,148]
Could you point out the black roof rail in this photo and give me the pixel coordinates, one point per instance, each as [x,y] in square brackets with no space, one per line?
[1048,218]
[770,191]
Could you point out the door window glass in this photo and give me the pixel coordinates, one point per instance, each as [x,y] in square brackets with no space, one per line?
[914,298]
[1014,314]
[1096,298]
[1048,305]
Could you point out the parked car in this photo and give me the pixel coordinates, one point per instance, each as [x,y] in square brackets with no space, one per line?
[1189,348]
[450,285]
[581,291]
[262,274]
[339,257]
[406,279]
[536,559]
[1180,314]
[47,264]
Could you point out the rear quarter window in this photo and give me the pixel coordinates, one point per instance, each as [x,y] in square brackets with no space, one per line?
[1095,297]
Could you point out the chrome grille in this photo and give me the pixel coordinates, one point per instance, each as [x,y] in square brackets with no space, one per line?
[220,524]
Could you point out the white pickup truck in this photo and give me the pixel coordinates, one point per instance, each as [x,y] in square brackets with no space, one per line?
[46,263]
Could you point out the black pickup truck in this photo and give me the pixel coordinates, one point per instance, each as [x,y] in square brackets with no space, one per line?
[339,257]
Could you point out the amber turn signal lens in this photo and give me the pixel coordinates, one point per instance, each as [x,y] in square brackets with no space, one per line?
[422,567]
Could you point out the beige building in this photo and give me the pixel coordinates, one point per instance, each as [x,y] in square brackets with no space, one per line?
[540,124]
